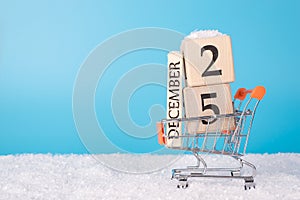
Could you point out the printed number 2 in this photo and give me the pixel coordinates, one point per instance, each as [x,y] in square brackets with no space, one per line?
[212,107]
[215,54]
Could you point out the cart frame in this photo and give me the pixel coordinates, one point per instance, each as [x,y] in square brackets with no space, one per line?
[229,142]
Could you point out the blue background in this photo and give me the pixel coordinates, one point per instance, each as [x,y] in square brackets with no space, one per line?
[43,44]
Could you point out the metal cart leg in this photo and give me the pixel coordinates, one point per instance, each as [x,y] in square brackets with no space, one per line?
[183,183]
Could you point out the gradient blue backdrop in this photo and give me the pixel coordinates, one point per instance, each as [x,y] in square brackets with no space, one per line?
[43,44]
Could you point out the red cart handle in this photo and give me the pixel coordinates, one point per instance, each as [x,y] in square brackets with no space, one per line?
[257,93]
[160,133]
[241,93]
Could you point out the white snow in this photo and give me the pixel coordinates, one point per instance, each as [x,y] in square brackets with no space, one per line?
[204,34]
[44,176]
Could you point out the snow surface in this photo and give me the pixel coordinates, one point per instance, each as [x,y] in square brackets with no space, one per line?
[44,176]
[204,34]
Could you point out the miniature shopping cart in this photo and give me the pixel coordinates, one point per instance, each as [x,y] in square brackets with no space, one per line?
[223,140]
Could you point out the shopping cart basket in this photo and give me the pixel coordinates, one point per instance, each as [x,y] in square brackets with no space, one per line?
[224,140]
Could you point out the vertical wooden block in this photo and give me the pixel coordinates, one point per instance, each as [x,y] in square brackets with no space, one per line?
[208,101]
[174,99]
[208,61]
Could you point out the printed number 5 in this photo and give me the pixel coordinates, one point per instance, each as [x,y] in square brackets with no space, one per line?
[212,107]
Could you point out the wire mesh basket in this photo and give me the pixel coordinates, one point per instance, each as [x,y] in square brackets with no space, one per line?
[225,134]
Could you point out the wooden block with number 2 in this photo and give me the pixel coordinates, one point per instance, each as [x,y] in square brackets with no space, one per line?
[208,101]
[208,61]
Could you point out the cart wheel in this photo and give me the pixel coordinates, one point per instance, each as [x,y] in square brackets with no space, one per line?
[248,188]
[249,184]
[182,184]
[186,185]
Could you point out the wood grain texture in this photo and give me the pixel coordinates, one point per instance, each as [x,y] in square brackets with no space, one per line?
[208,101]
[199,54]
[174,98]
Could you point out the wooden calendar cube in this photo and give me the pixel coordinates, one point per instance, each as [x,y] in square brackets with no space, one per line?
[208,101]
[208,61]
[174,99]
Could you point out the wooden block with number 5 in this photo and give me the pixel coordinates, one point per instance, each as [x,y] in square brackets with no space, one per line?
[209,101]
[208,61]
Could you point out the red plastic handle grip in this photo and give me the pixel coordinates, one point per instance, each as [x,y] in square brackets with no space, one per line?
[257,93]
[160,133]
[241,93]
